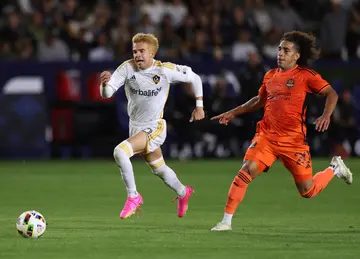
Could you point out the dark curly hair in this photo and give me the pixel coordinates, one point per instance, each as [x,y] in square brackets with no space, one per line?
[305,44]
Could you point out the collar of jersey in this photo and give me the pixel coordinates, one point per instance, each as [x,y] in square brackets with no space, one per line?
[148,69]
[289,71]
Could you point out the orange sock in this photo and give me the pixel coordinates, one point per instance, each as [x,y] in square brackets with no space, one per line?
[237,191]
[321,180]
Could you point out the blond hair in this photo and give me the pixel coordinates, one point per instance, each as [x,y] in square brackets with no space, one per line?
[147,38]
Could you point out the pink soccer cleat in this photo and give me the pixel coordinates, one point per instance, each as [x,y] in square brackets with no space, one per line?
[184,202]
[131,205]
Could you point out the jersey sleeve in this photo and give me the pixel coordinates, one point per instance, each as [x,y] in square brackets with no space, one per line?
[178,73]
[262,91]
[118,77]
[315,83]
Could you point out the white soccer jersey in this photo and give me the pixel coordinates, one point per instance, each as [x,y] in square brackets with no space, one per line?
[147,90]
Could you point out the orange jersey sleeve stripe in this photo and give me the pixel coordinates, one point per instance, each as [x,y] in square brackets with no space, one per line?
[321,88]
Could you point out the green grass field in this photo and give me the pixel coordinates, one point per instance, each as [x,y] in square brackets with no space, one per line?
[81,202]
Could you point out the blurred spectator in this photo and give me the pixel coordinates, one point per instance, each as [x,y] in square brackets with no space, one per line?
[177,11]
[220,100]
[225,138]
[200,50]
[170,42]
[13,31]
[80,47]
[103,52]
[145,25]
[202,30]
[226,10]
[5,51]
[285,18]
[120,33]
[333,31]
[353,32]
[187,30]
[251,76]
[25,6]
[178,113]
[69,8]
[344,122]
[48,7]
[271,44]
[52,48]
[37,26]
[156,9]
[261,17]
[25,50]
[215,29]
[98,21]
[203,21]
[239,24]
[243,46]
[77,22]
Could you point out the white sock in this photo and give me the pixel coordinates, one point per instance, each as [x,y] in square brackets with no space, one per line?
[122,154]
[227,218]
[168,176]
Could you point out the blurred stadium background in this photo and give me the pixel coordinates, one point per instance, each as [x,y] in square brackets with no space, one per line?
[51,53]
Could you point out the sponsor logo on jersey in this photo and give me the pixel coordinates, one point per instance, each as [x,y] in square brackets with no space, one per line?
[149,92]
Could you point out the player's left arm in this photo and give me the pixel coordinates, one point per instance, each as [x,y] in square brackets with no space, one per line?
[320,86]
[180,73]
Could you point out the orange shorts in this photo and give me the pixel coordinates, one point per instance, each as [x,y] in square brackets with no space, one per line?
[296,159]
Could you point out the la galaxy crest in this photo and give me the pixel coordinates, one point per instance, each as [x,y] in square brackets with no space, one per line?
[156,79]
[290,82]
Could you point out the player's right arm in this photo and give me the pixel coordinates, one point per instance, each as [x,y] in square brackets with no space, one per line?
[110,83]
[254,104]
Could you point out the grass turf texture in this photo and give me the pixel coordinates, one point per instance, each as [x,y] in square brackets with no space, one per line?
[81,201]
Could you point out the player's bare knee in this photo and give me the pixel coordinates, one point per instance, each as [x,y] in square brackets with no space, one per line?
[251,168]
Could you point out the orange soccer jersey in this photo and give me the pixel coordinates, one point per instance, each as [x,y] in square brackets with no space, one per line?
[285,107]
[282,131]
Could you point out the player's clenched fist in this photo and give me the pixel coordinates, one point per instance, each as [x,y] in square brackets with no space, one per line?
[105,77]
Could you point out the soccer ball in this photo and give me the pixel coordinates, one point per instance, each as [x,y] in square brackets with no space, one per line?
[31,224]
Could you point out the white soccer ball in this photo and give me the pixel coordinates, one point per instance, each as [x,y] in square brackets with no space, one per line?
[31,224]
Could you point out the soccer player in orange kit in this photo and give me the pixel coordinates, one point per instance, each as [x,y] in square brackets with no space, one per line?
[281,134]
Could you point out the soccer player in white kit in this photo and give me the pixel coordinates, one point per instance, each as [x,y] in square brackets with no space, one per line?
[147,83]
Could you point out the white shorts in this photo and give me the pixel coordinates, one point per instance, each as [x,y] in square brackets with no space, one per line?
[156,133]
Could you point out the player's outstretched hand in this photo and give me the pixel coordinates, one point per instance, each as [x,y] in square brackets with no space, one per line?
[322,123]
[105,77]
[197,114]
[224,118]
